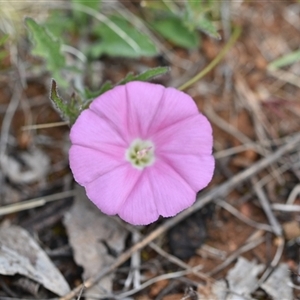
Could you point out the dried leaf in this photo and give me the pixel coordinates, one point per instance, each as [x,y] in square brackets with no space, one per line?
[217,291]
[278,285]
[94,237]
[241,284]
[20,254]
[36,165]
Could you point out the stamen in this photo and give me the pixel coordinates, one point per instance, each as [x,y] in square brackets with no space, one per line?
[142,153]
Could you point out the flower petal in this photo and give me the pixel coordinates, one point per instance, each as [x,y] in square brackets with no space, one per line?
[175,106]
[88,164]
[171,192]
[94,132]
[140,207]
[112,107]
[143,103]
[196,170]
[110,191]
[189,136]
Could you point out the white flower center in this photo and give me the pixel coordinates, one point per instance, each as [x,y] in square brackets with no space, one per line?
[140,154]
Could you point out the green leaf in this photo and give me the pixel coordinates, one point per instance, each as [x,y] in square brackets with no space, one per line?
[146,75]
[163,5]
[69,111]
[58,24]
[194,5]
[91,95]
[57,100]
[104,88]
[173,29]
[208,27]
[285,60]
[48,48]
[196,17]
[113,45]
[94,4]
[82,17]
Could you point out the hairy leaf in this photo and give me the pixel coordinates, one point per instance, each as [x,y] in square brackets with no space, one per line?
[70,110]
[48,48]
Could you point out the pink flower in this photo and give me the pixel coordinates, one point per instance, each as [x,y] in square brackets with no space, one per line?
[142,150]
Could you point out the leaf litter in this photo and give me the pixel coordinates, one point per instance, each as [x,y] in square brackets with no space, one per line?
[96,240]
[21,254]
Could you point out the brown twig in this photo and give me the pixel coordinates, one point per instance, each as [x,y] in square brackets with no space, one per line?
[265,203]
[242,217]
[202,200]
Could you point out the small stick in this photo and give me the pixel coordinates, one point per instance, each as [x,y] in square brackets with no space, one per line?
[286,207]
[180,263]
[151,281]
[265,203]
[293,194]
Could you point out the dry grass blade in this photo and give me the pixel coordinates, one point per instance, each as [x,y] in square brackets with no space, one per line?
[33,203]
[220,190]
[151,281]
[43,126]
[286,207]
[293,194]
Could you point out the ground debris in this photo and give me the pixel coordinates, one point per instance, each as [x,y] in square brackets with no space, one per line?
[27,167]
[240,282]
[278,285]
[20,254]
[95,239]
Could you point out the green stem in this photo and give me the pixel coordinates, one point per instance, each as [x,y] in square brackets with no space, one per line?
[236,34]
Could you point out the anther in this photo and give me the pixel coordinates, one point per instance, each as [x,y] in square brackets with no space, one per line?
[142,153]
